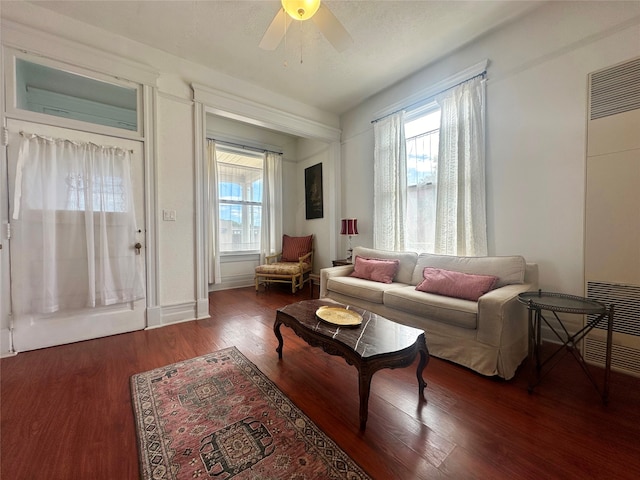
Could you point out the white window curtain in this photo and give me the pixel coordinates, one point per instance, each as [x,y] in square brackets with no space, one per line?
[271,226]
[390,183]
[74,227]
[213,214]
[461,198]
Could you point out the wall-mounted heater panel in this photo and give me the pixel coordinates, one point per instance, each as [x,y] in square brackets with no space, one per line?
[612,211]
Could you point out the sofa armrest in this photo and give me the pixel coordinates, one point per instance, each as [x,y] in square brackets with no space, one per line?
[501,317]
[327,273]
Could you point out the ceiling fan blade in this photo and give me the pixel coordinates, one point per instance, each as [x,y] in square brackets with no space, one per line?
[273,36]
[332,29]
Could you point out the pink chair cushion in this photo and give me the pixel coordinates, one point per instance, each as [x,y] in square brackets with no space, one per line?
[295,247]
[376,269]
[456,284]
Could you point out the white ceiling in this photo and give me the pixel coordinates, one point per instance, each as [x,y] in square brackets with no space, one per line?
[391,39]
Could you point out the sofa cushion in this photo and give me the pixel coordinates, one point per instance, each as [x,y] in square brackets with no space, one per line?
[295,247]
[360,288]
[467,286]
[448,310]
[407,261]
[509,269]
[378,270]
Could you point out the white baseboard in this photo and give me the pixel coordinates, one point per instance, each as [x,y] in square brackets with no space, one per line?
[237,281]
[202,308]
[5,343]
[178,313]
[154,317]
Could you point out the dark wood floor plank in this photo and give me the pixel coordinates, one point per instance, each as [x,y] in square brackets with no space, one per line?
[65,412]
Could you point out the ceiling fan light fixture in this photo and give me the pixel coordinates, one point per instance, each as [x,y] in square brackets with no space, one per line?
[301,9]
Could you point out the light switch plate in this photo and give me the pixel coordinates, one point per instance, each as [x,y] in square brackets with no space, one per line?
[169,215]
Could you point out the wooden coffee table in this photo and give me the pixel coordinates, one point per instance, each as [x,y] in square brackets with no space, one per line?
[376,344]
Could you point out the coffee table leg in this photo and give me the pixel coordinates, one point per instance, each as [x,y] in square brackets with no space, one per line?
[424,359]
[276,330]
[365,387]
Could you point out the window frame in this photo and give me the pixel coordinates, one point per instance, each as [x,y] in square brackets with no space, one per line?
[222,147]
[13,111]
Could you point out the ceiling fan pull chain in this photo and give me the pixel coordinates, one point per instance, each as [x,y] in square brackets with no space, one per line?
[300,43]
[285,63]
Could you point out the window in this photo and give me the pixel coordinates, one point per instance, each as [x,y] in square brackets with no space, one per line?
[56,92]
[239,199]
[422,133]
[449,219]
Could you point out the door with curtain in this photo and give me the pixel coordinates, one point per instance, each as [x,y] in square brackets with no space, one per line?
[76,205]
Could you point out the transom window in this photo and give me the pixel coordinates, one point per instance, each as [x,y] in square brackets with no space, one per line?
[53,91]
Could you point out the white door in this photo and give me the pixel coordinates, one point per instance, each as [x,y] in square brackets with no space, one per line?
[44,330]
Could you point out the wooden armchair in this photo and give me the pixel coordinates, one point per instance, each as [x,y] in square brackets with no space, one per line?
[292,265]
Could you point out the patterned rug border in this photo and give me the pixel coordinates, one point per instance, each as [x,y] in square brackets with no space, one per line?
[145,408]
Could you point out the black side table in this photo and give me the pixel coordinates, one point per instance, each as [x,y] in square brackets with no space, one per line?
[538,301]
[342,261]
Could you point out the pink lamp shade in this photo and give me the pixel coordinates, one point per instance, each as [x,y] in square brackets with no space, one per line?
[349,226]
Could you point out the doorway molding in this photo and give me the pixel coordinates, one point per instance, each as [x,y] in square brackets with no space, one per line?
[211,101]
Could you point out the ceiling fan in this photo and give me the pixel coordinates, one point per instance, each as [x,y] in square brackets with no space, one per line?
[302,10]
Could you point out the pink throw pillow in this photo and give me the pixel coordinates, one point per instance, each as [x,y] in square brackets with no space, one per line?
[456,284]
[376,269]
[295,247]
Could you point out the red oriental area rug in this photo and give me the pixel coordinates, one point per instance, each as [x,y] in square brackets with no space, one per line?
[218,416]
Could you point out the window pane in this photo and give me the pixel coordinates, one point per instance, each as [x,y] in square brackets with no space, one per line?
[239,227]
[422,167]
[62,94]
[240,200]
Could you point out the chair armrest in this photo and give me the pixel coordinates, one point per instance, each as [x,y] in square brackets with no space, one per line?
[327,273]
[269,258]
[304,258]
[501,317]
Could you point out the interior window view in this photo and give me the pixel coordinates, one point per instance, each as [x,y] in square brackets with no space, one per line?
[240,200]
[307,239]
[422,136]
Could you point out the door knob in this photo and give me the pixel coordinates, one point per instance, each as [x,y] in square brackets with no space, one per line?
[137,246]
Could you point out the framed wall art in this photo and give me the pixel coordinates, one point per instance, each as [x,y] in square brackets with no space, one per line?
[313,191]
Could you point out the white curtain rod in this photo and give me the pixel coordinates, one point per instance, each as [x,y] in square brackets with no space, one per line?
[424,100]
[73,142]
[244,147]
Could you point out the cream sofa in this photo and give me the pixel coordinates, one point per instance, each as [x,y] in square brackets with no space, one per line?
[489,336]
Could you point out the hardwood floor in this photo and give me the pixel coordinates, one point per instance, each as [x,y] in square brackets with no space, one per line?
[66,411]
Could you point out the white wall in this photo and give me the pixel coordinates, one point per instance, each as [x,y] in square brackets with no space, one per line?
[175,192]
[310,153]
[536,130]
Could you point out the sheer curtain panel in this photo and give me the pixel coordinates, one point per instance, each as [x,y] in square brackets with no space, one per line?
[460,199]
[213,214]
[74,227]
[390,183]
[271,227]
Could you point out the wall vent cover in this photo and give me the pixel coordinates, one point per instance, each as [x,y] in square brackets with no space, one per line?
[623,359]
[615,90]
[625,351]
[626,305]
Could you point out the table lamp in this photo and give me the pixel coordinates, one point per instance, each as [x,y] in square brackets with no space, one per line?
[350,228]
